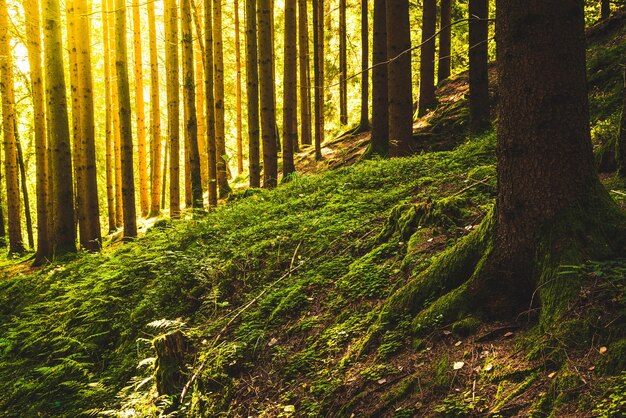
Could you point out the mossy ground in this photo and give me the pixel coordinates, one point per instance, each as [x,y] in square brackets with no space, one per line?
[278,292]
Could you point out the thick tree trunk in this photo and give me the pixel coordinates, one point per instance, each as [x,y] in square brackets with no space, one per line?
[268,113]
[220,129]
[189,93]
[173,104]
[155,117]
[126,133]
[290,80]
[239,114]
[62,197]
[479,65]
[305,70]
[109,128]
[200,102]
[365,82]
[210,101]
[621,138]
[443,70]
[427,99]
[318,74]
[252,74]
[33,35]
[343,65]
[380,105]
[399,78]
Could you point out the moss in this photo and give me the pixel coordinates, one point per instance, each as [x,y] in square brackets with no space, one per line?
[170,351]
[466,326]
[510,392]
[614,360]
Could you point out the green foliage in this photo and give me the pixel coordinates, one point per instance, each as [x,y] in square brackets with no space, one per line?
[614,403]
[459,405]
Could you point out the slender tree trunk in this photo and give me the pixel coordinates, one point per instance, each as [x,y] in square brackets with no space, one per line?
[343,65]
[365,82]
[305,79]
[380,104]
[220,134]
[445,35]
[621,138]
[62,196]
[605,9]
[191,125]
[318,73]
[90,213]
[201,97]
[478,65]
[268,113]
[121,64]
[252,74]
[108,104]
[16,244]
[3,235]
[22,167]
[166,153]
[77,152]
[142,146]
[427,99]
[399,78]
[290,99]
[210,101]
[238,93]
[173,105]
[155,117]
[33,36]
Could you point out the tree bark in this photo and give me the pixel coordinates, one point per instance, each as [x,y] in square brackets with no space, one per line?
[173,105]
[108,134]
[22,167]
[155,117]
[305,76]
[427,99]
[252,74]
[364,121]
[445,35]
[318,74]
[343,65]
[621,138]
[268,112]
[210,101]
[479,65]
[290,99]
[200,99]
[238,93]
[399,78]
[380,105]
[126,133]
[605,9]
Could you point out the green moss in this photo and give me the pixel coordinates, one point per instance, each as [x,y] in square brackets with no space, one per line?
[466,326]
[614,360]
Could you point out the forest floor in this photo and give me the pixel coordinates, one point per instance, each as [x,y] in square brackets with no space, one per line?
[279,296]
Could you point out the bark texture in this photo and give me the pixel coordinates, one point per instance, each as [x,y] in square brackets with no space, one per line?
[380,108]
[478,65]
[427,99]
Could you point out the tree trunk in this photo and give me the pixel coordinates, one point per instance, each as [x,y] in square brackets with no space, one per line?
[238,92]
[427,99]
[445,35]
[22,167]
[318,74]
[252,74]
[33,44]
[200,106]
[77,152]
[605,9]
[210,101]
[479,65]
[155,117]
[305,79]
[108,104]
[62,197]
[364,121]
[343,65]
[166,153]
[380,105]
[399,78]
[189,93]
[268,113]
[142,154]
[126,133]
[220,135]
[173,109]
[290,99]
[621,138]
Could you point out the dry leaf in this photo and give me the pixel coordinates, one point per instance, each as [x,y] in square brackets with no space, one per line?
[551,375]
[382,381]
[458,365]
[447,332]
[458,343]
[508,334]
[272,342]
[290,408]
[603,350]
[488,367]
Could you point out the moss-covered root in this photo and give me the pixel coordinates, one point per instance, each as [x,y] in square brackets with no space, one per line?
[170,349]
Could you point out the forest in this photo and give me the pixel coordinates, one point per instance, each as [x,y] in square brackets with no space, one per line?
[325,208]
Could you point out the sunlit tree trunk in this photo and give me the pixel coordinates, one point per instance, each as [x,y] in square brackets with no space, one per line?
[478,65]
[443,70]
[252,74]
[238,92]
[220,135]
[365,82]
[108,104]
[62,196]
[191,125]
[77,160]
[343,65]
[173,104]
[318,73]
[305,76]
[290,99]
[142,154]
[23,181]
[155,117]
[16,244]
[33,36]
[210,101]
[268,113]
[427,98]
[200,99]
[399,78]
[121,64]
[166,153]
[380,105]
